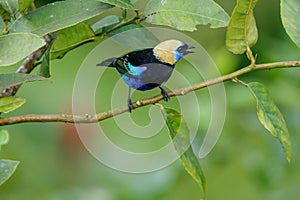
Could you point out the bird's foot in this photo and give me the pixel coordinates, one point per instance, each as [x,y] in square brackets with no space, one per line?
[130,105]
[164,93]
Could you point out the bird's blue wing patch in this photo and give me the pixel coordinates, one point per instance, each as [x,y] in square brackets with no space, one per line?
[133,76]
[135,70]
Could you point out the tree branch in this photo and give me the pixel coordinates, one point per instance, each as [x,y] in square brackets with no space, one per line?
[68,118]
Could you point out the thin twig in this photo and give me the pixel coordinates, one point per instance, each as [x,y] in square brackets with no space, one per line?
[68,118]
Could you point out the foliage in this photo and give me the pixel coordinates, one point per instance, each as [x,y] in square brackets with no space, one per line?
[185,15]
[7,167]
[11,53]
[242,30]
[290,13]
[179,134]
[13,79]
[270,117]
[55,16]
[10,103]
[72,23]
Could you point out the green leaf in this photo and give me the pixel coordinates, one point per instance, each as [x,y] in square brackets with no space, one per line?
[24,4]
[45,65]
[58,15]
[7,168]
[10,80]
[4,137]
[106,21]
[185,15]
[120,3]
[10,103]
[136,36]
[71,37]
[4,14]
[242,30]
[179,134]
[290,16]
[15,47]
[11,6]
[271,118]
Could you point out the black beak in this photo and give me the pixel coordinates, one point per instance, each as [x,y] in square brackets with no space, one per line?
[188,50]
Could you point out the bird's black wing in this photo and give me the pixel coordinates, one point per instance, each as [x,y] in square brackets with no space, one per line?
[140,57]
[156,71]
[136,59]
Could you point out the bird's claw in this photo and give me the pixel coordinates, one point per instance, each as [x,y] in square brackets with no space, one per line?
[130,105]
[165,95]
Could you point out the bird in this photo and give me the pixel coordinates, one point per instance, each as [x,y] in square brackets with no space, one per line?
[149,68]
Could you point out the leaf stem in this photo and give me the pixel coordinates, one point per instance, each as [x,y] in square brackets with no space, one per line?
[5,28]
[85,118]
[33,7]
[236,80]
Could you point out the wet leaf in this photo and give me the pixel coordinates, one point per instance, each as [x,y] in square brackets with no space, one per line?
[8,104]
[10,80]
[45,65]
[24,4]
[106,21]
[179,134]
[4,14]
[15,47]
[11,6]
[71,37]
[7,168]
[271,118]
[242,30]
[185,15]
[58,15]
[135,36]
[290,16]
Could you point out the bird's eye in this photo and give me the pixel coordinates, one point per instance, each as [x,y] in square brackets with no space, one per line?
[182,49]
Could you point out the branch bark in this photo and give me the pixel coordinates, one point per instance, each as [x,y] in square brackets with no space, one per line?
[68,118]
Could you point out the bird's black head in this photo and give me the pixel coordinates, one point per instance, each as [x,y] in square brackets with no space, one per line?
[184,49]
[171,51]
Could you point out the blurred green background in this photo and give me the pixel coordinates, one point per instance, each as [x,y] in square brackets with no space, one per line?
[246,163]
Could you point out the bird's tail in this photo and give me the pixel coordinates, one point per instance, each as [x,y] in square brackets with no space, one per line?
[107,62]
